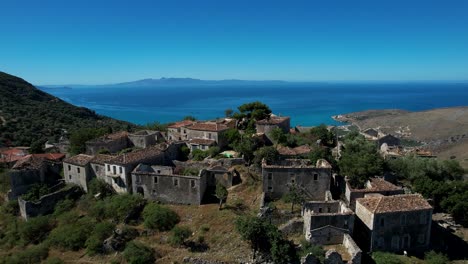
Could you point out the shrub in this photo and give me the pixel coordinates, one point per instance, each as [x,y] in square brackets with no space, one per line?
[117,207]
[198,154]
[63,206]
[99,186]
[157,217]
[316,250]
[179,235]
[35,230]
[72,236]
[101,231]
[35,192]
[33,254]
[433,257]
[385,258]
[54,260]
[137,253]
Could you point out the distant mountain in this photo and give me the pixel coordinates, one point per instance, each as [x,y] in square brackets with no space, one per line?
[28,114]
[169,82]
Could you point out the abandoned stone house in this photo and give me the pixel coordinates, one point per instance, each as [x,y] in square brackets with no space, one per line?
[370,133]
[9,156]
[145,138]
[30,170]
[319,214]
[113,143]
[116,142]
[161,183]
[175,131]
[393,223]
[313,181]
[373,186]
[76,170]
[265,126]
[116,170]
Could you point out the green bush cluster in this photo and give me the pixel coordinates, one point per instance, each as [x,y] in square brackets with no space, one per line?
[137,253]
[179,234]
[116,207]
[158,217]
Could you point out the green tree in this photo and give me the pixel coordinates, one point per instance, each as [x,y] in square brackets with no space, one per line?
[221,193]
[102,230]
[322,133]
[228,112]
[433,257]
[278,136]
[270,154]
[233,136]
[255,110]
[157,217]
[189,117]
[137,253]
[36,229]
[37,146]
[359,160]
[79,137]
[179,235]
[198,154]
[247,146]
[156,126]
[294,196]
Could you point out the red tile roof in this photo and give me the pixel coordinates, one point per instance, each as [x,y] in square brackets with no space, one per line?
[51,156]
[208,126]
[29,162]
[394,203]
[273,120]
[79,160]
[182,123]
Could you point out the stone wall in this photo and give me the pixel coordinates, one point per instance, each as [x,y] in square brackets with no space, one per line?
[46,203]
[178,189]
[353,194]
[113,146]
[354,251]
[315,182]
[327,235]
[145,138]
[79,175]
[22,180]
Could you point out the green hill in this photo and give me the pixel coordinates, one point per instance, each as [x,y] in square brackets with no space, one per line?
[28,114]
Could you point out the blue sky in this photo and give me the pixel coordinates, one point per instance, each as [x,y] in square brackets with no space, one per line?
[97,42]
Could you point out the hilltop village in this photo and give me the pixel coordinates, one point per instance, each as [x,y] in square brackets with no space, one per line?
[322,204]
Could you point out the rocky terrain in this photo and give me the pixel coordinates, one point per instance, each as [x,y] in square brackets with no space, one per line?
[444,131]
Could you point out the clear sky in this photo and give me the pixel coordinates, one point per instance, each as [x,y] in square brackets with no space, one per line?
[108,41]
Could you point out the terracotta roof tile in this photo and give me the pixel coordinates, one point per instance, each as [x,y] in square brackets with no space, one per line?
[103,158]
[273,120]
[394,203]
[79,160]
[208,126]
[29,162]
[182,123]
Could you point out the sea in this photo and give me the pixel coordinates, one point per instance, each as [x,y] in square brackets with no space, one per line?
[307,104]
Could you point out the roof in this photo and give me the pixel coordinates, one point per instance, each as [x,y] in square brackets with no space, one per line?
[395,203]
[29,162]
[137,156]
[208,126]
[182,123]
[103,158]
[273,120]
[300,150]
[144,133]
[202,141]
[379,184]
[79,160]
[51,156]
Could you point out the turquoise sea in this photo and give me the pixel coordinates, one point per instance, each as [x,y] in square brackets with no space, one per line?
[307,104]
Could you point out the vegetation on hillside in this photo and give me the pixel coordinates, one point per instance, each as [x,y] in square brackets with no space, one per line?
[32,115]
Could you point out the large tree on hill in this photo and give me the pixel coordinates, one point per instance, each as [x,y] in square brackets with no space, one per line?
[255,110]
[359,160]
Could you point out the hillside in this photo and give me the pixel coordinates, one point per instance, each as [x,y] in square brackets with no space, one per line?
[443,130]
[28,114]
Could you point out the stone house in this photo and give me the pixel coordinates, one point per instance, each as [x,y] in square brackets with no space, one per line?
[294,153]
[265,126]
[160,183]
[176,132]
[390,140]
[31,170]
[113,143]
[314,181]
[145,138]
[320,216]
[370,133]
[373,186]
[393,223]
[10,156]
[77,170]
[211,133]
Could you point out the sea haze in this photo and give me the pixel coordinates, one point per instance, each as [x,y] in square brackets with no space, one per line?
[307,103]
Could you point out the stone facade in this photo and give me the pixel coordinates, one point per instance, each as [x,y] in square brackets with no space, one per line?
[177,132]
[314,181]
[373,186]
[145,138]
[159,183]
[77,170]
[206,131]
[265,126]
[334,215]
[389,140]
[393,223]
[112,143]
[32,170]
